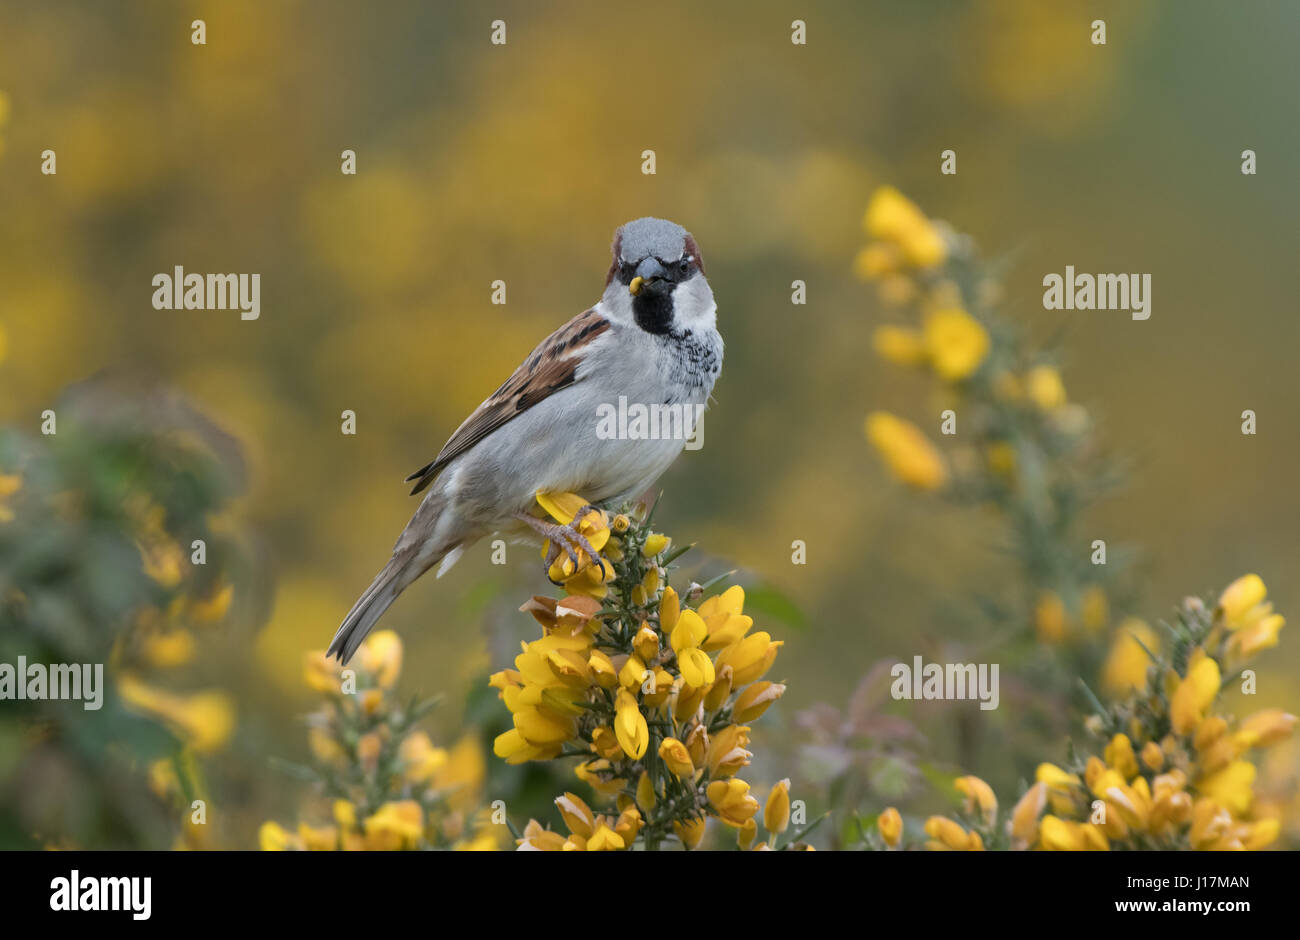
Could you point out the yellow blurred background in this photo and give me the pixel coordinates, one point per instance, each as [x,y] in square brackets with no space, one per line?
[478,162]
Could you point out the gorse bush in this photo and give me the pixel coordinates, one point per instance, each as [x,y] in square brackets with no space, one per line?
[381,783]
[101,518]
[1162,768]
[651,692]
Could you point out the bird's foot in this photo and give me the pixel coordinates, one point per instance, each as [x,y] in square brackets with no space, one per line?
[567,538]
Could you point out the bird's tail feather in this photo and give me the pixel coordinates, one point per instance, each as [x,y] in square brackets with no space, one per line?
[365,613]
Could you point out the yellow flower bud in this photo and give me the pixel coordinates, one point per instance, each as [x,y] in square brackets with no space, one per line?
[1119,754]
[1055,777]
[605,839]
[728,751]
[776,814]
[630,725]
[945,834]
[1059,835]
[1265,728]
[698,744]
[978,795]
[381,655]
[677,758]
[756,698]
[655,544]
[1024,816]
[956,343]
[1050,618]
[691,832]
[1239,598]
[669,610]
[1125,669]
[273,837]
[646,643]
[890,825]
[908,453]
[577,814]
[1045,388]
[1231,786]
[892,217]
[720,690]
[1256,636]
[1094,609]
[749,658]
[876,260]
[1194,695]
[746,834]
[645,792]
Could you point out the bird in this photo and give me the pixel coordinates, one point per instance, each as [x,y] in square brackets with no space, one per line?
[652,337]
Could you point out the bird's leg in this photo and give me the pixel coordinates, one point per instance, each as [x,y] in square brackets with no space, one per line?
[564,538]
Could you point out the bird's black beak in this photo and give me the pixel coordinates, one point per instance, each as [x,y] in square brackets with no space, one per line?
[649,276]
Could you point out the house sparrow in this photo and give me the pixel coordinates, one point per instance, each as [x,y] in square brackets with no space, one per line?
[652,338]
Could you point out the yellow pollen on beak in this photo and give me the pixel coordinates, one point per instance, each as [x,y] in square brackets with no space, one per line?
[635,287]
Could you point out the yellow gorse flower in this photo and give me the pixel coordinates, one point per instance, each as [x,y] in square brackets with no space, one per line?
[1059,835]
[776,813]
[732,801]
[1254,626]
[678,759]
[397,825]
[947,835]
[979,796]
[1050,618]
[1023,825]
[955,342]
[1242,600]
[205,721]
[908,453]
[1194,694]
[896,220]
[890,825]
[630,725]
[585,576]
[1045,389]
[1125,669]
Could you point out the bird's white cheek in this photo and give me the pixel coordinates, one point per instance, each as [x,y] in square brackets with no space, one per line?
[693,305]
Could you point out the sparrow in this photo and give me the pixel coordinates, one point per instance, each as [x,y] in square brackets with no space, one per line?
[652,337]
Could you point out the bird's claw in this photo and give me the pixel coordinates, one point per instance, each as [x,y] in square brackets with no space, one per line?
[568,539]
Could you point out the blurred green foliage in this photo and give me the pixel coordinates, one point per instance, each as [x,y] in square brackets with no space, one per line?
[94,563]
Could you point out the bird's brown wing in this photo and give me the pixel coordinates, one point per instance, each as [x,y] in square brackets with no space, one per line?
[553,365]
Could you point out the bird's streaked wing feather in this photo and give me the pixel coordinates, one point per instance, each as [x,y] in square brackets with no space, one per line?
[553,365]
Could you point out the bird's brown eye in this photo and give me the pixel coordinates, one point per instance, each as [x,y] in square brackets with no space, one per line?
[684,265]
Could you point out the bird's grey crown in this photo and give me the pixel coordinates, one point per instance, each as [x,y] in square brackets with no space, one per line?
[651,238]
